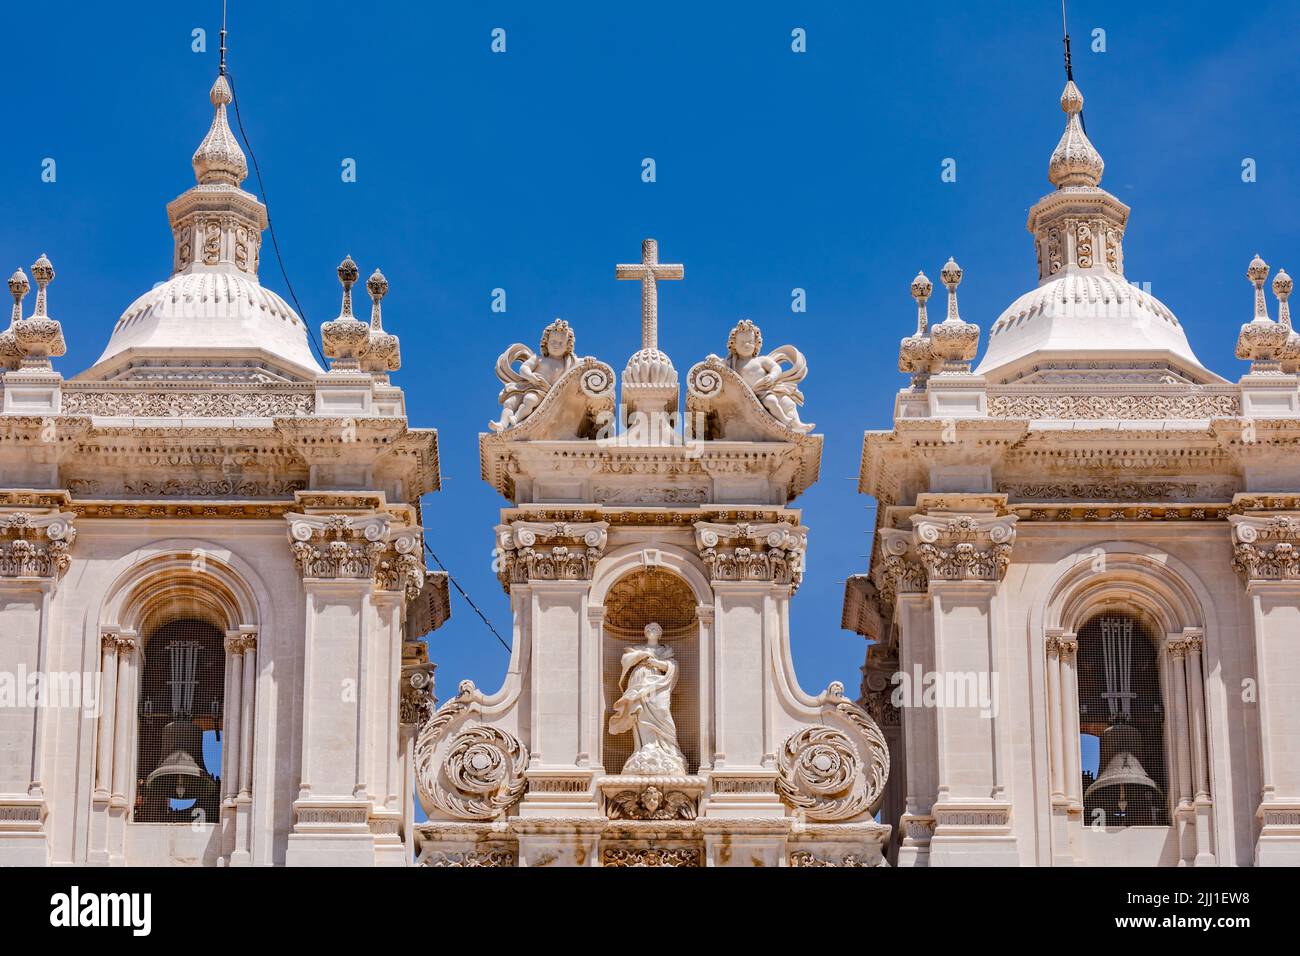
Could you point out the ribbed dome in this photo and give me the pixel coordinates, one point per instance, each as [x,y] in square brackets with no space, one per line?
[1089,316]
[222,311]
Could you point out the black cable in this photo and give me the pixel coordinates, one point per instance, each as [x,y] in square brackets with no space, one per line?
[468,599]
[266,201]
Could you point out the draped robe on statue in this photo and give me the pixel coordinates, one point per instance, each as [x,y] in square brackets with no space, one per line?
[647,681]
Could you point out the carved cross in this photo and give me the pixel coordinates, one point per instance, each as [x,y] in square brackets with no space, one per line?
[649,271]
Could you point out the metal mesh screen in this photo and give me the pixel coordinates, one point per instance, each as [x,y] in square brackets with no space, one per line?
[182,691]
[1121,724]
[653,596]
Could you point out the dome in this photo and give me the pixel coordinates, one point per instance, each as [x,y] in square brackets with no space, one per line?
[228,312]
[1083,317]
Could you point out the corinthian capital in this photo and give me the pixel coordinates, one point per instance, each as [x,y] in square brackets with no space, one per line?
[359,547]
[764,551]
[964,547]
[34,544]
[549,551]
[1266,548]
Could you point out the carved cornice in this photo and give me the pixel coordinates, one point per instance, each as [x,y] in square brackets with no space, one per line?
[964,547]
[35,544]
[764,551]
[549,551]
[1266,548]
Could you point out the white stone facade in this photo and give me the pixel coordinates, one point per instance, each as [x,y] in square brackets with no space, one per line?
[207,471]
[1090,469]
[629,530]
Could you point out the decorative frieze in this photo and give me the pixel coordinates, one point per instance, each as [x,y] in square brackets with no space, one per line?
[752,552]
[230,401]
[490,857]
[548,551]
[687,856]
[964,547]
[35,544]
[808,858]
[1266,548]
[1191,404]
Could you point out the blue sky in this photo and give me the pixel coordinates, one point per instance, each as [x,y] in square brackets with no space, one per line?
[774,171]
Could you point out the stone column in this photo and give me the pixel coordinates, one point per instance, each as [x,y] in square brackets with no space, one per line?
[1264,553]
[245,674]
[125,723]
[33,557]
[357,570]
[230,759]
[966,555]
[1200,763]
[1181,735]
[547,567]
[107,709]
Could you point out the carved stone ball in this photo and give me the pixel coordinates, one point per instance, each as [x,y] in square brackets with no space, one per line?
[1257,271]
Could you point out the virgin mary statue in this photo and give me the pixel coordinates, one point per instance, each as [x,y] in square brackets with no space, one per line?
[649,675]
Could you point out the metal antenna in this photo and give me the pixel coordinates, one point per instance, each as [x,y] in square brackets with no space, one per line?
[222,67]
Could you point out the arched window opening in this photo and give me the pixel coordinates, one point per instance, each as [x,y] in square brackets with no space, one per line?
[181,704]
[1121,724]
[640,599]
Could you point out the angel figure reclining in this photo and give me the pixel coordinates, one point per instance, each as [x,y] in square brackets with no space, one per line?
[526,386]
[776,388]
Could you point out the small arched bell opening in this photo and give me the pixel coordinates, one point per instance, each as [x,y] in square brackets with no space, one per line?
[180,717]
[1121,722]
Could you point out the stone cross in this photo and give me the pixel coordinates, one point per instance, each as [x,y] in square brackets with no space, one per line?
[649,270]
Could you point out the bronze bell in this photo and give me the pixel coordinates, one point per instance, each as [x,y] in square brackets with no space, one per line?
[181,774]
[1123,769]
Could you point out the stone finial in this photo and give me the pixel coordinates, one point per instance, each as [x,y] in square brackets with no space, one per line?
[1075,161]
[219,160]
[346,338]
[951,276]
[38,336]
[649,380]
[921,289]
[915,356]
[1257,273]
[1262,340]
[383,351]
[18,288]
[953,341]
[1282,289]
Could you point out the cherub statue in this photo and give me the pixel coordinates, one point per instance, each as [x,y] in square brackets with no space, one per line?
[775,388]
[526,386]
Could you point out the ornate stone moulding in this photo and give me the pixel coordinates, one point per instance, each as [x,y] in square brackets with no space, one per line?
[35,544]
[1100,402]
[359,547]
[1266,548]
[651,798]
[186,400]
[505,464]
[747,551]
[548,551]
